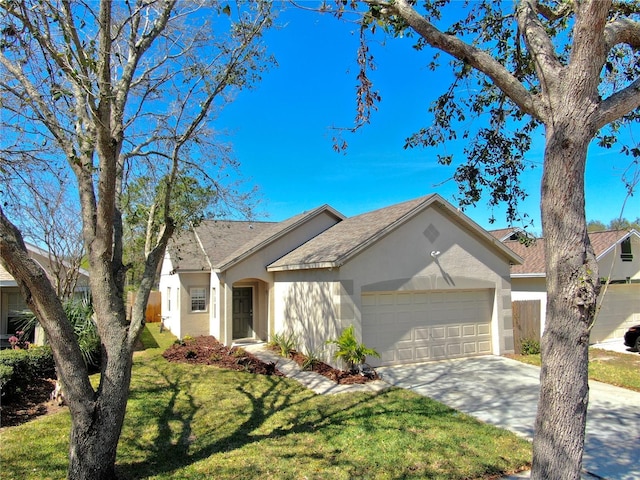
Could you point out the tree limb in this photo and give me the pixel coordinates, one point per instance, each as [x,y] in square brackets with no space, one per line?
[469,54]
[42,299]
[618,104]
[622,30]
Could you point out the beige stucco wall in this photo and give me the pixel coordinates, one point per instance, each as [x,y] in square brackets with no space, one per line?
[169,287]
[311,305]
[179,319]
[194,323]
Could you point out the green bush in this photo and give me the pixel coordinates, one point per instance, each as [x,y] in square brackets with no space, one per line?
[19,367]
[529,347]
[6,373]
[80,314]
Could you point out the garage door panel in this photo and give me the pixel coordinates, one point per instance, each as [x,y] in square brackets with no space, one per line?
[484,348]
[405,354]
[419,326]
[454,350]
[470,348]
[453,332]
[484,329]
[438,333]
[422,354]
[470,330]
[421,334]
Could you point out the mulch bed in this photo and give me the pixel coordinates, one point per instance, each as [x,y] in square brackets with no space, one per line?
[208,351]
[32,402]
[343,377]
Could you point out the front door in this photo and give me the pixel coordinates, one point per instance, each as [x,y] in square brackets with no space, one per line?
[242,312]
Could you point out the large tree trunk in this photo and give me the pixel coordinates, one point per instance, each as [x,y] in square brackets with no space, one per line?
[95,433]
[572,288]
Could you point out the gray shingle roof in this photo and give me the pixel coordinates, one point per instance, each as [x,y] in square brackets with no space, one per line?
[218,244]
[212,241]
[344,240]
[333,246]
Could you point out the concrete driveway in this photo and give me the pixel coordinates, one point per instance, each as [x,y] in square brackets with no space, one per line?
[504,392]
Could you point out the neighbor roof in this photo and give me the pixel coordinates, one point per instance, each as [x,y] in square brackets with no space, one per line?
[335,246]
[534,258]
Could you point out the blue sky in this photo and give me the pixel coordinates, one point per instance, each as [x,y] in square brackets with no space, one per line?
[282,131]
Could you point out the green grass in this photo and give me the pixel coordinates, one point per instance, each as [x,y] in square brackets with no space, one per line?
[615,368]
[191,422]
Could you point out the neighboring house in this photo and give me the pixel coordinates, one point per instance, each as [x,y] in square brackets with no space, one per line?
[12,303]
[418,280]
[618,256]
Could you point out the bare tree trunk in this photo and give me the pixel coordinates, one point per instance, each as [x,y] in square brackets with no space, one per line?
[572,288]
[95,433]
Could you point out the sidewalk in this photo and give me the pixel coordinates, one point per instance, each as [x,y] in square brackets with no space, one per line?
[313,381]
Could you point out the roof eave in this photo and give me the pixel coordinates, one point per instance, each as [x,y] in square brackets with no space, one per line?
[304,266]
[529,275]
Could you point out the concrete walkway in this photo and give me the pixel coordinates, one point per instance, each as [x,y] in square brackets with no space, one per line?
[313,381]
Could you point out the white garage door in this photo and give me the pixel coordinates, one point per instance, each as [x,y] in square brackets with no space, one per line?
[620,310]
[406,327]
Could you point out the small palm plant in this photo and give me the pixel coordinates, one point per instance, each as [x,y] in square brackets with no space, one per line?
[350,351]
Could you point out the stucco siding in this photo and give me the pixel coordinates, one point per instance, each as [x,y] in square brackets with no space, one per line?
[307,304]
[169,287]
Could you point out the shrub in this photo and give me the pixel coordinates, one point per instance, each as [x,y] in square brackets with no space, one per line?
[80,314]
[19,367]
[6,374]
[349,350]
[529,346]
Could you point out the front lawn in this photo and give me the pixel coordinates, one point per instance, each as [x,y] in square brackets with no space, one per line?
[615,368]
[196,421]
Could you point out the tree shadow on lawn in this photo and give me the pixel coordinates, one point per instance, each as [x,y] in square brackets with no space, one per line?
[191,425]
[176,445]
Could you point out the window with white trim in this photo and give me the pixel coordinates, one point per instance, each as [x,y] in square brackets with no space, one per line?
[198,299]
[168,299]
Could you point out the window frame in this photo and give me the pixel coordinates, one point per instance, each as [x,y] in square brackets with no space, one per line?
[200,298]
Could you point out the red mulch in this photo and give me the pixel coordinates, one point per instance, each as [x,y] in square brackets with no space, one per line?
[206,350]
